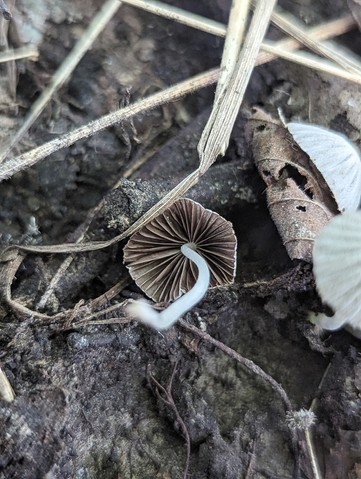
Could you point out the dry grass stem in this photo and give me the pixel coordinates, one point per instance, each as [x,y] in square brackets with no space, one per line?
[54,281]
[179,15]
[323,31]
[13,165]
[65,70]
[7,275]
[215,137]
[312,61]
[291,26]
[311,452]
[124,320]
[232,46]
[31,52]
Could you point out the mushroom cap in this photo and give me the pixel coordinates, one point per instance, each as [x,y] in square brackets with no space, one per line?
[337,269]
[153,254]
[337,159]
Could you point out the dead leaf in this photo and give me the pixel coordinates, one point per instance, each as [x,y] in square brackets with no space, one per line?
[299,199]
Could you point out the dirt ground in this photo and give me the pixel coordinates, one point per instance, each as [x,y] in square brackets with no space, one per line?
[88,398]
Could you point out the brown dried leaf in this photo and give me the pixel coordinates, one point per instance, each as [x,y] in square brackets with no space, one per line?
[298,197]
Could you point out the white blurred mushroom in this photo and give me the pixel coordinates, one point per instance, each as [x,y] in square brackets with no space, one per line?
[337,159]
[337,270]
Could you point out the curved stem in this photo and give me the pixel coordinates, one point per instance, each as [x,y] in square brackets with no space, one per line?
[165,319]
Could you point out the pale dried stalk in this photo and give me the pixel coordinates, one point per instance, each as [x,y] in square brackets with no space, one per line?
[215,137]
[291,26]
[179,15]
[64,71]
[31,52]
[172,93]
[312,453]
[324,31]
[312,61]
[55,280]
[232,45]
[230,56]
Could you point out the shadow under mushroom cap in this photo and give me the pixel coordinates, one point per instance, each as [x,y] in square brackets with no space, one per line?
[154,258]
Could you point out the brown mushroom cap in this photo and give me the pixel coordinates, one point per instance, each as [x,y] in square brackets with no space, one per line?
[154,258]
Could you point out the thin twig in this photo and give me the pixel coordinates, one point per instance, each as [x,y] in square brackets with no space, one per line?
[324,31]
[247,363]
[312,61]
[179,15]
[291,26]
[13,165]
[311,452]
[254,368]
[308,433]
[29,51]
[8,272]
[121,320]
[98,314]
[54,281]
[167,398]
[98,23]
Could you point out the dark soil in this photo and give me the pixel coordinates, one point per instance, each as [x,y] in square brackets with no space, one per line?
[86,406]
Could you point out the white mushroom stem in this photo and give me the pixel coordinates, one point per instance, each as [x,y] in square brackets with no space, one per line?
[165,319]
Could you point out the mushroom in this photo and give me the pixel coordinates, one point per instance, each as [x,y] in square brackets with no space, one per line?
[337,269]
[180,254]
[337,159]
